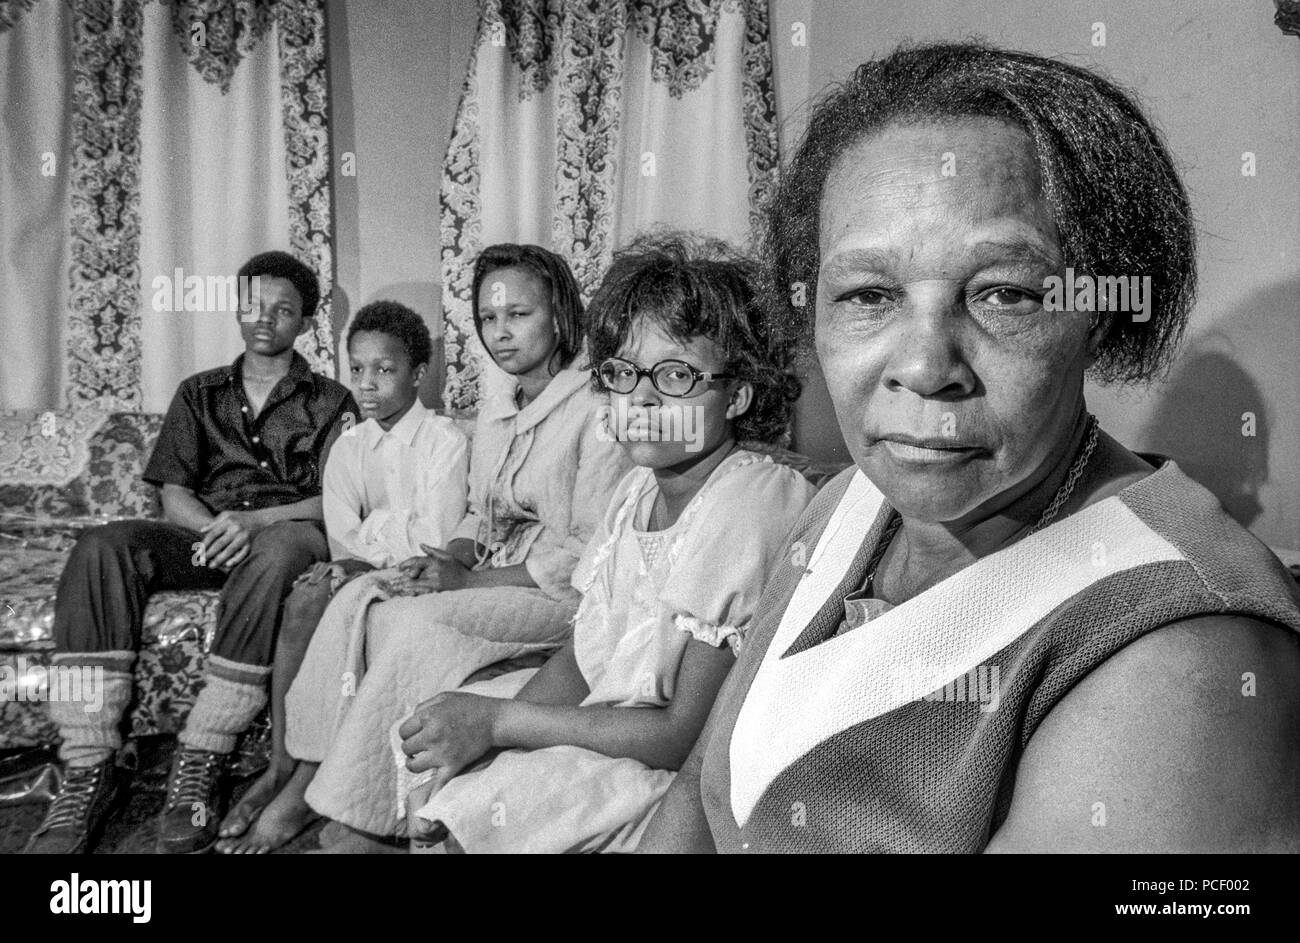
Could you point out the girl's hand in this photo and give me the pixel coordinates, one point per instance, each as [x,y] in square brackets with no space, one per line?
[448,732]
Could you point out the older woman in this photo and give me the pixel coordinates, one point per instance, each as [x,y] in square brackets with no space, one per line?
[1002,630]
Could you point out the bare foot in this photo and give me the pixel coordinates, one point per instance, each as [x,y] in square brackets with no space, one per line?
[359,843]
[239,818]
[283,818]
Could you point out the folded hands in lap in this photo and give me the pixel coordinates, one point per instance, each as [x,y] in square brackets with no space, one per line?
[228,537]
[437,571]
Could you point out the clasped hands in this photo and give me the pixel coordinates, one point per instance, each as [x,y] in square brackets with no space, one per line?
[437,571]
[228,538]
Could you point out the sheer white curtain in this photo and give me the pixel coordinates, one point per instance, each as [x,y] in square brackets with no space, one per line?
[35,88]
[584,121]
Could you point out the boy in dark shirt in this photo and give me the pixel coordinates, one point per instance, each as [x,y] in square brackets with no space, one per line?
[239,461]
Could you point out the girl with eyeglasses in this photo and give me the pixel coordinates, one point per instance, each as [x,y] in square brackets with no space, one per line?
[669,581]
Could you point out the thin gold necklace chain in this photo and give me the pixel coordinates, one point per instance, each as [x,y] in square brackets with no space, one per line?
[1049,513]
[1072,478]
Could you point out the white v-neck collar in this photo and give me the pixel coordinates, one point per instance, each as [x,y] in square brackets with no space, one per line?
[796,701]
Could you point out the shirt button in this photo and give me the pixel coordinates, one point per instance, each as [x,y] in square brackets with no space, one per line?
[248,504]
[243,409]
[256,440]
[263,464]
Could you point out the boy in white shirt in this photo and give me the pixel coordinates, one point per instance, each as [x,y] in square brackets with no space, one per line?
[394,482]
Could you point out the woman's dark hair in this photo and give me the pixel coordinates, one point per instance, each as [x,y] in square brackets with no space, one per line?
[283,265]
[694,286]
[1108,179]
[566,297]
[398,321]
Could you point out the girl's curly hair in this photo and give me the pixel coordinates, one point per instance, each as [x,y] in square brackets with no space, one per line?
[697,286]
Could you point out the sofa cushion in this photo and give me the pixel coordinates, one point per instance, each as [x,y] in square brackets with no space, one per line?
[87,467]
[43,460]
[118,455]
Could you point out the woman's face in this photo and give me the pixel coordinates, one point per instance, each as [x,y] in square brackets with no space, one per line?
[518,327]
[951,383]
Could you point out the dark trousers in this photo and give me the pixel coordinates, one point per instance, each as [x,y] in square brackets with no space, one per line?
[114,568]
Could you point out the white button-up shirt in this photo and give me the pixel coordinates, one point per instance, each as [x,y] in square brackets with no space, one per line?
[385,493]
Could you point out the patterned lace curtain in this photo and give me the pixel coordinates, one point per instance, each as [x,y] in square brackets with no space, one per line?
[193,133]
[582,122]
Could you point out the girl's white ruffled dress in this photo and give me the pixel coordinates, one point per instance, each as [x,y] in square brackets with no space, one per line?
[646,594]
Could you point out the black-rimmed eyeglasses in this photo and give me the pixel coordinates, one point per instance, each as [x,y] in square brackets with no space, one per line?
[669,377]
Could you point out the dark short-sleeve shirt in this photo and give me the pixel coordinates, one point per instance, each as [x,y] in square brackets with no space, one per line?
[212,444]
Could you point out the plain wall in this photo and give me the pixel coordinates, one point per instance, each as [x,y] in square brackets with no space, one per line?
[396,68]
[1220,79]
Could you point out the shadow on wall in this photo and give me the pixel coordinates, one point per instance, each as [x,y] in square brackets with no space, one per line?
[340,315]
[1212,418]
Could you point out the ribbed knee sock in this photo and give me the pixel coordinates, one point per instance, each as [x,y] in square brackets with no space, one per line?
[91,725]
[231,699]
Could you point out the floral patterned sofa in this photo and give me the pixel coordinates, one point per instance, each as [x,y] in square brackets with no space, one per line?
[61,473]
